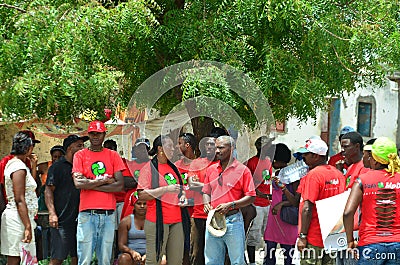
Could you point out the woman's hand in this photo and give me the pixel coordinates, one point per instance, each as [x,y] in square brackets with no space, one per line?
[27,235]
[183,202]
[135,256]
[276,208]
[352,249]
[175,188]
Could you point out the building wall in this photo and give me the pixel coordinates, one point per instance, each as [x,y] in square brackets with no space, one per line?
[383,120]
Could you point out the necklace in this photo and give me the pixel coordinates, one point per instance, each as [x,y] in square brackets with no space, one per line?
[95,150]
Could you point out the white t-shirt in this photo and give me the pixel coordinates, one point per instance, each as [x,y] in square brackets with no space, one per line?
[12,166]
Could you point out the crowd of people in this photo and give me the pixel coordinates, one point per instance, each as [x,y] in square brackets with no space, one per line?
[92,206]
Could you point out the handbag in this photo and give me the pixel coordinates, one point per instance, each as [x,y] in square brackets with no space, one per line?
[289,214]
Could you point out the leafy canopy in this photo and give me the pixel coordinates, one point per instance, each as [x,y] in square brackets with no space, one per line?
[60,58]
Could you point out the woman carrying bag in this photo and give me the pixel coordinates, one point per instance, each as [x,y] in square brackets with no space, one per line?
[17,222]
[167,225]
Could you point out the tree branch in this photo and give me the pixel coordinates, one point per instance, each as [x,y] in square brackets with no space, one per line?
[344,66]
[13,7]
[331,33]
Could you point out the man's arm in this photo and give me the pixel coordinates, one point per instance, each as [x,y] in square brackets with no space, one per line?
[129,183]
[81,182]
[49,200]
[115,186]
[194,184]
[206,202]
[306,214]
[224,208]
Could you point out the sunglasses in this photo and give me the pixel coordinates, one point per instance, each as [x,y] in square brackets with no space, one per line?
[220,179]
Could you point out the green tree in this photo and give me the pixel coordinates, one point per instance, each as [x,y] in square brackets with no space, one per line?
[59,58]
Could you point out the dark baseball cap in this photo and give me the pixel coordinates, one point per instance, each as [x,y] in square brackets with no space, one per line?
[142,141]
[72,139]
[57,148]
[31,135]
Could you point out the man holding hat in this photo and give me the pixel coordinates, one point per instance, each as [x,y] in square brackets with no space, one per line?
[322,181]
[228,186]
[97,173]
[62,201]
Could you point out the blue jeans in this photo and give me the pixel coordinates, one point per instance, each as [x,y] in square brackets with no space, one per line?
[233,240]
[379,253]
[95,233]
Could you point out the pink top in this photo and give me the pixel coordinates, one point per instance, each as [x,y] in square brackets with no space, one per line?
[277,230]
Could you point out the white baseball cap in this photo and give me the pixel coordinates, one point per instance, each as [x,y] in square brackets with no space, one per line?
[316,146]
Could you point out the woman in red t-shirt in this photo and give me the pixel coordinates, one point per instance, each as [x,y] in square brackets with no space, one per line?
[167,221]
[377,192]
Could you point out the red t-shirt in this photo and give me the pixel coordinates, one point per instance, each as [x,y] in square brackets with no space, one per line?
[96,165]
[199,167]
[320,182]
[120,195]
[184,169]
[353,172]
[262,171]
[237,182]
[380,215]
[169,201]
[332,161]
[134,169]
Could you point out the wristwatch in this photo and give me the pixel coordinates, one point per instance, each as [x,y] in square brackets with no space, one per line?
[302,236]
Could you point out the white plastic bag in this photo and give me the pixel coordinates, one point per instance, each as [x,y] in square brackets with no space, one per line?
[28,253]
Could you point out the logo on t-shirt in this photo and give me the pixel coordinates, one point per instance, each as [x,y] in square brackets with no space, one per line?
[170,179]
[136,174]
[184,178]
[332,182]
[266,176]
[98,169]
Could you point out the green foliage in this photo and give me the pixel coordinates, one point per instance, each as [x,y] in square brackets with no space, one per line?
[62,57]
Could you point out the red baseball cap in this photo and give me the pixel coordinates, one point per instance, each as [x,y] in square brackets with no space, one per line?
[96,126]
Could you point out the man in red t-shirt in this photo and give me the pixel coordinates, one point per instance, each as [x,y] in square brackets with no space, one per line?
[337,160]
[322,181]
[261,168]
[352,145]
[228,186]
[352,148]
[197,174]
[140,151]
[97,173]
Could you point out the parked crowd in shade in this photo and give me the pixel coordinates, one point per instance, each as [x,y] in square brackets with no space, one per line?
[89,205]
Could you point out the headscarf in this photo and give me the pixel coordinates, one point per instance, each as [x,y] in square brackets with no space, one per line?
[384,151]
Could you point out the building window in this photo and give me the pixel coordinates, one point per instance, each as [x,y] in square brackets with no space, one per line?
[364,118]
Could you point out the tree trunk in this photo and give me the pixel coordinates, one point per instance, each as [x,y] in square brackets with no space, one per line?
[201,125]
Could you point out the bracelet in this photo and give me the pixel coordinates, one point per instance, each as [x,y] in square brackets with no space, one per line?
[233,205]
[302,236]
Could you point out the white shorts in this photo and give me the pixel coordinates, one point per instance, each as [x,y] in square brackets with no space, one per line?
[12,232]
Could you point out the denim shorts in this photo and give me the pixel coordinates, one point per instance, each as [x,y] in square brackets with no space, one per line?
[379,253]
[63,242]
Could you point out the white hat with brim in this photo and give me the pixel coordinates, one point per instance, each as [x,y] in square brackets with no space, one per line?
[216,223]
